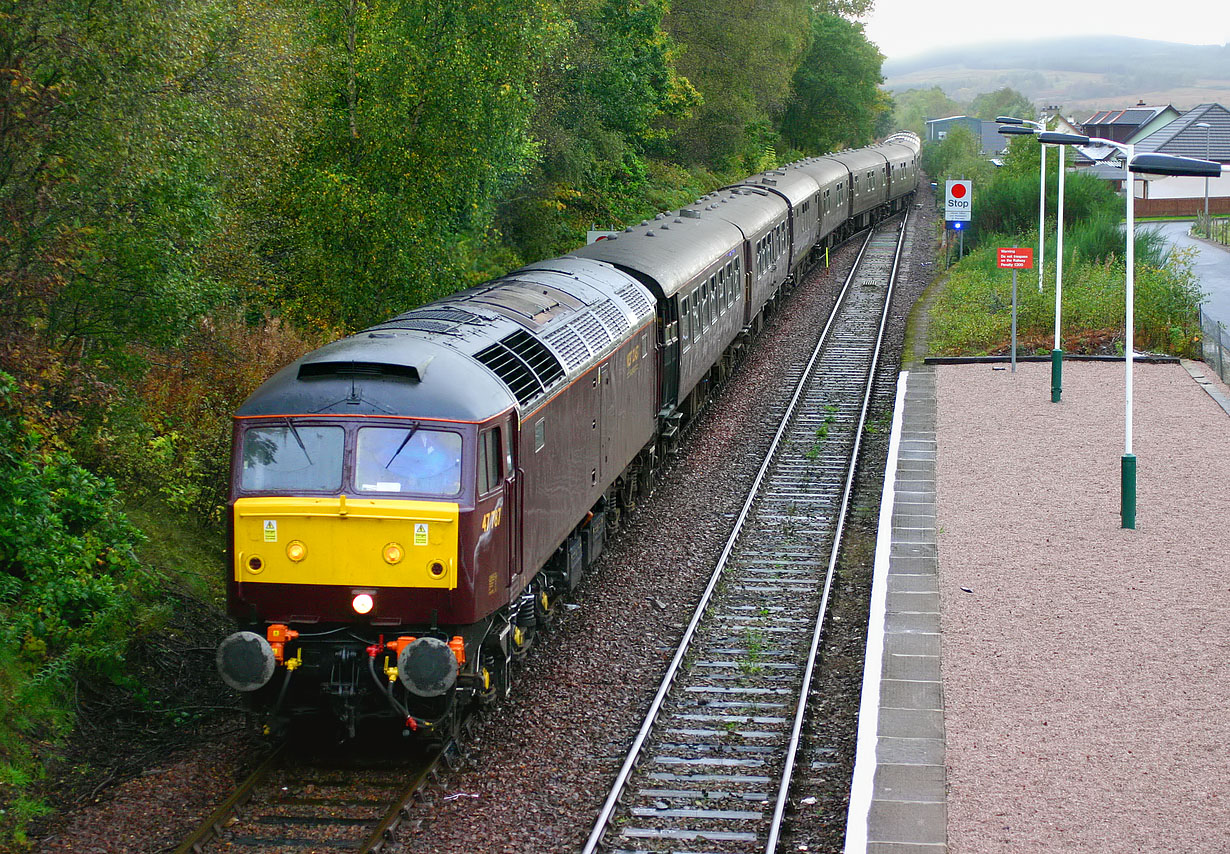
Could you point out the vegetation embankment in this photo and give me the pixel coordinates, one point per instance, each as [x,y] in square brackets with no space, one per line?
[195,194]
[972,313]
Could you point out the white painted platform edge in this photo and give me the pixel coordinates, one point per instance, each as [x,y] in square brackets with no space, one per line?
[862,783]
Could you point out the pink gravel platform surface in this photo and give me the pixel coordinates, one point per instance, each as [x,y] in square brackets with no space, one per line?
[1086,667]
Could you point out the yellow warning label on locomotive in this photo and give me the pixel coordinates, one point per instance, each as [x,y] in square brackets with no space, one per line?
[347,541]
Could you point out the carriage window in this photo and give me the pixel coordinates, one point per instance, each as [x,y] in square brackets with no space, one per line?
[489,461]
[408,459]
[710,299]
[293,458]
[685,321]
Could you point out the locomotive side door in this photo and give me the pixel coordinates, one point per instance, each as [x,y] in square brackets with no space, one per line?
[512,493]
[497,555]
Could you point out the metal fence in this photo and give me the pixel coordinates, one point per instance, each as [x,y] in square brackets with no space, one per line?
[1212,228]
[1215,345]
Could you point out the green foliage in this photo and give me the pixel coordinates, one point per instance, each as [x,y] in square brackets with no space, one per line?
[109,166]
[958,155]
[602,113]
[70,586]
[741,56]
[419,117]
[837,101]
[972,315]
[1002,102]
[914,106]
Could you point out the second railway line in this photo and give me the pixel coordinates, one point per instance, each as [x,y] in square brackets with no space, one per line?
[711,767]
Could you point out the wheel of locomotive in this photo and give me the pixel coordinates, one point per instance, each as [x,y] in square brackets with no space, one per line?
[544,607]
[493,668]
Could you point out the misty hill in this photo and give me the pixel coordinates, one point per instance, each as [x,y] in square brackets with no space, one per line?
[1079,72]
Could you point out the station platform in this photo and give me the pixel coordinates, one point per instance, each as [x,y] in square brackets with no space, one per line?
[1038,678]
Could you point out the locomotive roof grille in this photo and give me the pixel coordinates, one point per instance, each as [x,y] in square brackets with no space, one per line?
[612,317]
[635,297]
[595,334]
[570,345]
[525,365]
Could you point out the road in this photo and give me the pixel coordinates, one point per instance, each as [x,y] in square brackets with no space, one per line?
[1212,266]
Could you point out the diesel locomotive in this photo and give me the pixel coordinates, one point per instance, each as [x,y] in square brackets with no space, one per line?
[408,504]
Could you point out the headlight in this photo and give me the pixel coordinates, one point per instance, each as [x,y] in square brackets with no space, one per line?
[362,603]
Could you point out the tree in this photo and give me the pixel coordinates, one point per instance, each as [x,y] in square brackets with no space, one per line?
[602,111]
[741,56]
[418,124]
[1002,102]
[108,170]
[915,106]
[837,100]
[958,155]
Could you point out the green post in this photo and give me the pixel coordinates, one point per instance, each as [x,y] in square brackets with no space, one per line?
[1056,375]
[1127,480]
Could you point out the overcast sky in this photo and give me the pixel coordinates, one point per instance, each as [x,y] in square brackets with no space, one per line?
[903,28]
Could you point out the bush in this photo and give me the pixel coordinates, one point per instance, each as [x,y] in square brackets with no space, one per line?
[70,586]
[973,314]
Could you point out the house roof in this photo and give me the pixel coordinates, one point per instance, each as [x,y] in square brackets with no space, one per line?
[1182,137]
[1136,116]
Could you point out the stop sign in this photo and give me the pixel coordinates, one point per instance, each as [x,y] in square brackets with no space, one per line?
[958,200]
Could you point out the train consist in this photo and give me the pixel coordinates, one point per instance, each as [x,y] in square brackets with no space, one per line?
[408,504]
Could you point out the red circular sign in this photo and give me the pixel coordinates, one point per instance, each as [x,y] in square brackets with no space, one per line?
[958,191]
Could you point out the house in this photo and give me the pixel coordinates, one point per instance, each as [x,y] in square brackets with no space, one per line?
[1128,126]
[991,142]
[1131,124]
[1202,132]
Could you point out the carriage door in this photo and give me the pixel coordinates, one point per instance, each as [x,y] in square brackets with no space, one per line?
[668,346]
[608,418]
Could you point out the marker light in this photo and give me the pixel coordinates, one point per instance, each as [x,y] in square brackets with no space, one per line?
[393,553]
[296,550]
[436,569]
[362,603]
[255,564]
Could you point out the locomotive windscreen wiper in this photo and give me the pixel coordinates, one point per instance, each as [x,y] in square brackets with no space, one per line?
[413,429]
[298,440]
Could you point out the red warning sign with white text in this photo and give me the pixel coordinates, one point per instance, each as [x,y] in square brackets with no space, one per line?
[1016,259]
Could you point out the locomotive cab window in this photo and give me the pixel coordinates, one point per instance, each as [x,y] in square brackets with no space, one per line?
[293,458]
[490,472]
[408,459]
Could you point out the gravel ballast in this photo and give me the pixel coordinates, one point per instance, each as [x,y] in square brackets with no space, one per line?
[1085,671]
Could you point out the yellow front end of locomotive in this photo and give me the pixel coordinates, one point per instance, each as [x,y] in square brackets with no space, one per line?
[355,542]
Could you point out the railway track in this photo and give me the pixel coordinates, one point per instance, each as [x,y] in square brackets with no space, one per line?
[296,804]
[711,768]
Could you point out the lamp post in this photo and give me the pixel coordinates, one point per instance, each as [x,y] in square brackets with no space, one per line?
[1207,127]
[1062,140]
[1014,126]
[1158,164]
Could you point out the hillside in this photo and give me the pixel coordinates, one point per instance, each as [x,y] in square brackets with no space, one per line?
[1079,73]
